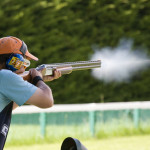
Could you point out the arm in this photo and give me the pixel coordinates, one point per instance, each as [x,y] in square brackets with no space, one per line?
[38,98]
[43,97]
[14,105]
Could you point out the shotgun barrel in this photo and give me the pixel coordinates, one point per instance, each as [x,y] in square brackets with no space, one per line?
[68,67]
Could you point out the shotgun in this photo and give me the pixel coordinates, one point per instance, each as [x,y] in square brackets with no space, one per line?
[66,67]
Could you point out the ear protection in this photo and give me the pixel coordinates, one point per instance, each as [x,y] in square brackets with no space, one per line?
[16,61]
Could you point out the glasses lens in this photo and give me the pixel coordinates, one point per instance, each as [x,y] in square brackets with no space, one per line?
[26,62]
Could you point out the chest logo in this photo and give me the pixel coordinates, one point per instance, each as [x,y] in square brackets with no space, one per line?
[4,130]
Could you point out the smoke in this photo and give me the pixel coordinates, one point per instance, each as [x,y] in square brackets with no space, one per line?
[121,63]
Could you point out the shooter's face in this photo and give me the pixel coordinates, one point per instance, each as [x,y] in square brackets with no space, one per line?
[24,65]
[21,70]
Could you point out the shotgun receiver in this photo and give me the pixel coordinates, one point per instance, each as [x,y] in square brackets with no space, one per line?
[64,68]
[68,67]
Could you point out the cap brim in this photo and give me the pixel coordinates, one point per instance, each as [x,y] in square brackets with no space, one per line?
[31,56]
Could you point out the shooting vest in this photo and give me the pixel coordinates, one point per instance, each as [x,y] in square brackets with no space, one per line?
[5,119]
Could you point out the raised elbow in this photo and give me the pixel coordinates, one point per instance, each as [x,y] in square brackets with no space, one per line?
[41,99]
[48,103]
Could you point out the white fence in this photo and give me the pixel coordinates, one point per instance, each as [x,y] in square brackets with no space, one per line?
[91,108]
[84,107]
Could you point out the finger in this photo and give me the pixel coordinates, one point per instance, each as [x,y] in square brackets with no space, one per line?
[30,71]
[58,74]
[55,74]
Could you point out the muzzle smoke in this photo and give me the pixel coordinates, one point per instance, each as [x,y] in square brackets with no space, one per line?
[121,63]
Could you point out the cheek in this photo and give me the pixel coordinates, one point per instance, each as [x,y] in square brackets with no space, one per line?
[21,70]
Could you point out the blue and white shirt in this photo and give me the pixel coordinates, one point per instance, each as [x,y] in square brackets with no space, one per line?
[14,88]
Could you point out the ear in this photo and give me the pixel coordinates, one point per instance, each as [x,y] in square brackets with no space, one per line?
[3,65]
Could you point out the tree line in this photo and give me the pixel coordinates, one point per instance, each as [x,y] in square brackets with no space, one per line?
[63,31]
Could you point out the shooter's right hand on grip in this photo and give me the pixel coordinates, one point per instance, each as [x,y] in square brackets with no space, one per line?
[33,73]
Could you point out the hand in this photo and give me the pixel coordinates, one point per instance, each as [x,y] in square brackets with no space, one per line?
[33,73]
[57,74]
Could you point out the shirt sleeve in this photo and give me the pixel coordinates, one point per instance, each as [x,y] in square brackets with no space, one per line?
[16,89]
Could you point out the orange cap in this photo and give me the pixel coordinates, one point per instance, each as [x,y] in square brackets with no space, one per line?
[14,45]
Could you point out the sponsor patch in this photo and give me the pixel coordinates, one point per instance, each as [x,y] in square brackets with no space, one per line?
[4,130]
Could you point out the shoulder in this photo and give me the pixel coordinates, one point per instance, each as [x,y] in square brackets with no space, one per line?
[15,88]
[5,73]
[8,76]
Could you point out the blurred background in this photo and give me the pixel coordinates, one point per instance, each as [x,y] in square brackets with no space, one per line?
[56,31]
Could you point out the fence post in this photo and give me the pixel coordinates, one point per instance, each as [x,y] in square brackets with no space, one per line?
[43,123]
[136,115]
[92,122]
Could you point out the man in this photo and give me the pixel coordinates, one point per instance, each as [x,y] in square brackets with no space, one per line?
[14,91]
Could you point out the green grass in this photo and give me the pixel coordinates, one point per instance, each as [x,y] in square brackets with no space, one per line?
[119,128]
[31,134]
[115,143]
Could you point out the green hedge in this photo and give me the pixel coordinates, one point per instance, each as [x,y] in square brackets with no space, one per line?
[59,31]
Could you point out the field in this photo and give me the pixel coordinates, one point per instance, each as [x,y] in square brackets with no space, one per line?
[31,134]
[120,143]
[29,138]
[119,136]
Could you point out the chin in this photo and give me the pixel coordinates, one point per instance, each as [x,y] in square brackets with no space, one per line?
[22,70]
